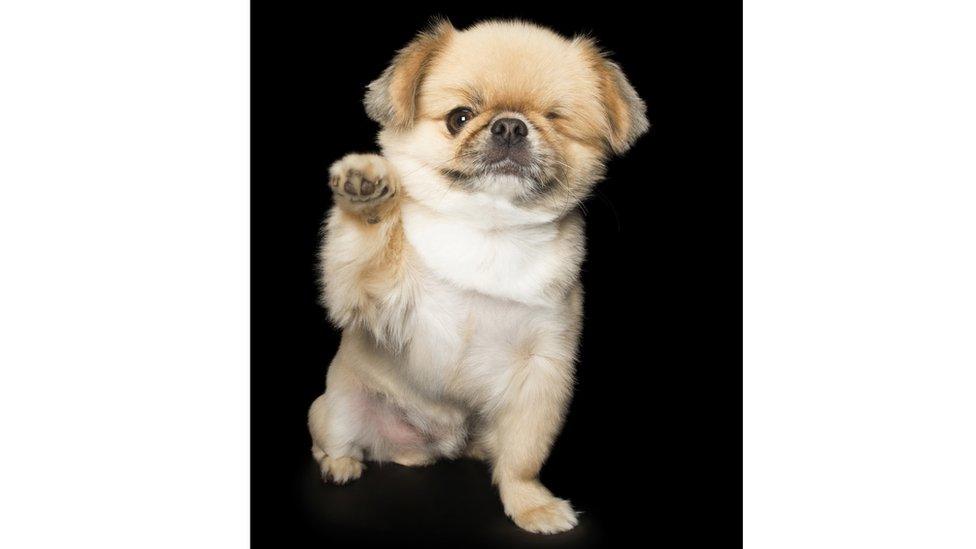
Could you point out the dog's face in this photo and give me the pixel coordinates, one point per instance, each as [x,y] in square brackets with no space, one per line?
[508,109]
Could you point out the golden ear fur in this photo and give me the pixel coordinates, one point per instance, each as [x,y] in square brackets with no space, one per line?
[626,112]
[391,99]
[625,109]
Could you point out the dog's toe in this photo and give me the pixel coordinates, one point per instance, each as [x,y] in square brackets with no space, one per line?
[341,470]
[361,179]
[550,518]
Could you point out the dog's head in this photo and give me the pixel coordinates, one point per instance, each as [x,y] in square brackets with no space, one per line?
[507,109]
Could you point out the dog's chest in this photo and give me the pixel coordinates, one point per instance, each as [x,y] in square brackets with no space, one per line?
[509,263]
[477,293]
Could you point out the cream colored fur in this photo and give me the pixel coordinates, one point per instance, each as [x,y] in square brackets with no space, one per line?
[461,305]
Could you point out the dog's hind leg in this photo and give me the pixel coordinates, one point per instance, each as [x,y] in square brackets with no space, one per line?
[335,427]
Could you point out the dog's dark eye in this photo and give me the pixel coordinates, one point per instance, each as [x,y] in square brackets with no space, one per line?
[552,115]
[457,118]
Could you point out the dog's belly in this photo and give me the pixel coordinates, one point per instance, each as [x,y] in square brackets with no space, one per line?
[437,337]
[464,345]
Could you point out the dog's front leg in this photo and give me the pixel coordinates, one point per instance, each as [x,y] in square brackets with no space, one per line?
[363,264]
[364,251]
[521,434]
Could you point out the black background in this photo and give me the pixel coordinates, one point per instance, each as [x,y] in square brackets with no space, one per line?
[652,444]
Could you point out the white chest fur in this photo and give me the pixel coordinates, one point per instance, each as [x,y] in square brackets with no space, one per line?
[525,262]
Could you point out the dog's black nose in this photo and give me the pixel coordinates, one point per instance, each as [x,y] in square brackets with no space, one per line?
[509,131]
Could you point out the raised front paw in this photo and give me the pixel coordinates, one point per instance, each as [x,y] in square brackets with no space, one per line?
[363,184]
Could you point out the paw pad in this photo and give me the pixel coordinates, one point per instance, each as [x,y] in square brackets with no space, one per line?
[361,180]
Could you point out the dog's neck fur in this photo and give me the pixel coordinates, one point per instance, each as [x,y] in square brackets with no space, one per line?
[486,244]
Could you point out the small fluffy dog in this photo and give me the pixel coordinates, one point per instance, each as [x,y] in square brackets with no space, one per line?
[451,261]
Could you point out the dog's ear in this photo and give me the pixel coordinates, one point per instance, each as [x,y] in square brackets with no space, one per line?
[391,99]
[625,109]
[626,116]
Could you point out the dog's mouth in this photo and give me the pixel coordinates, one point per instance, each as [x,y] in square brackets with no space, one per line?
[506,166]
[519,161]
[507,158]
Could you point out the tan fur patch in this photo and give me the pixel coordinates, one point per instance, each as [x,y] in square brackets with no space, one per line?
[625,110]
[391,99]
[383,269]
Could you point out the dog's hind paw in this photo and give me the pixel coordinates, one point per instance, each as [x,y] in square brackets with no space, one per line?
[341,470]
